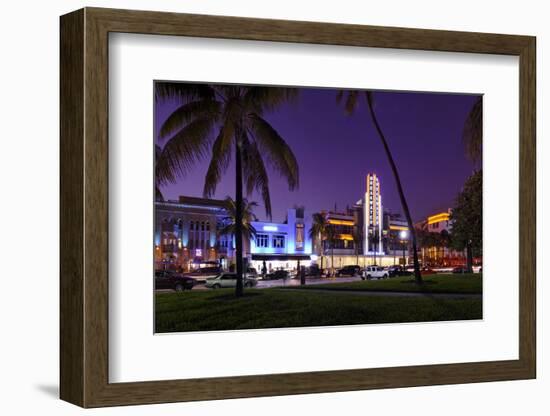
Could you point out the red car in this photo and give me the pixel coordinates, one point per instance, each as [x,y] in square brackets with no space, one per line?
[167,279]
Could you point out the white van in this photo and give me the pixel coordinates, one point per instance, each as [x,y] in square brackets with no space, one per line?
[375,272]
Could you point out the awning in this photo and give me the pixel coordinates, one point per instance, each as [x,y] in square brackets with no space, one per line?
[281,257]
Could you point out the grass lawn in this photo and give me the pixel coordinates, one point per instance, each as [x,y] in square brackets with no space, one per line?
[436,283]
[272,308]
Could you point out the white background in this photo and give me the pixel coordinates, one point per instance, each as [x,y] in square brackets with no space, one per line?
[29,213]
[135,60]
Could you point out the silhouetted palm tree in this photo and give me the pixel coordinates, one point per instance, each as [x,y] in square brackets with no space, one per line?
[318,231]
[374,242]
[221,122]
[331,239]
[473,131]
[158,182]
[357,239]
[351,103]
[248,230]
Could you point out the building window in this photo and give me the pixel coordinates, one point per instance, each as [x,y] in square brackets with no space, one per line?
[278,241]
[262,240]
[299,236]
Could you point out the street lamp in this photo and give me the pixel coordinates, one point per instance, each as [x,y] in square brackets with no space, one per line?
[403,235]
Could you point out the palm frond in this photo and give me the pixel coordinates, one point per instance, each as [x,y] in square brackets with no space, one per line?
[158,194]
[261,99]
[319,225]
[190,145]
[351,101]
[221,156]
[228,229]
[255,174]
[248,216]
[277,152]
[188,112]
[182,91]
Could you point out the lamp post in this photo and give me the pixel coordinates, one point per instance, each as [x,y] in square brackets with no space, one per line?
[403,235]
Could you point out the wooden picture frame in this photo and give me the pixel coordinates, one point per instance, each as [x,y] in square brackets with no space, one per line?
[84,207]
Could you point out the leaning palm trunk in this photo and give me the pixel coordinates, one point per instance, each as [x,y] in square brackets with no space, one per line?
[417,275]
[239,220]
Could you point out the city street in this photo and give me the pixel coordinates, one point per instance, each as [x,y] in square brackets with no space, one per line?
[264,284]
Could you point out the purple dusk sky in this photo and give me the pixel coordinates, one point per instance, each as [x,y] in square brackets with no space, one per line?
[336,151]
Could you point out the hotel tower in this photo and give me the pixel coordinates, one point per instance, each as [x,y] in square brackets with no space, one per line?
[373,215]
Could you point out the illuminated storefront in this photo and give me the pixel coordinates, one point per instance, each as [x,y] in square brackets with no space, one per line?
[281,245]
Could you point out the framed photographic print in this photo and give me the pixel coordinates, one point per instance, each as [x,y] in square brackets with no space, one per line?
[256,207]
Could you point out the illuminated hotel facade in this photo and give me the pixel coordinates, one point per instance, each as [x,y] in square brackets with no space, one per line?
[364,233]
[440,255]
[373,213]
[188,236]
[282,245]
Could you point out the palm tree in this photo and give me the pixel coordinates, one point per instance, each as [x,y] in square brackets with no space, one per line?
[444,241]
[158,180]
[422,238]
[331,238]
[374,238]
[219,122]
[318,231]
[357,239]
[351,103]
[248,230]
[473,131]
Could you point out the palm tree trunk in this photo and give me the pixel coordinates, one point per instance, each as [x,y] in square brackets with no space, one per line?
[239,220]
[332,259]
[405,206]
[469,258]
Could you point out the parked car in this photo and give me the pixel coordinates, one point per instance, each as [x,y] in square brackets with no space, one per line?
[314,271]
[375,272]
[205,272]
[167,279]
[252,272]
[278,274]
[349,271]
[426,270]
[394,271]
[229,279]
[460,269]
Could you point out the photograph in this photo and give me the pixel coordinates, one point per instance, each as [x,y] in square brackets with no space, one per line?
[293,206]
